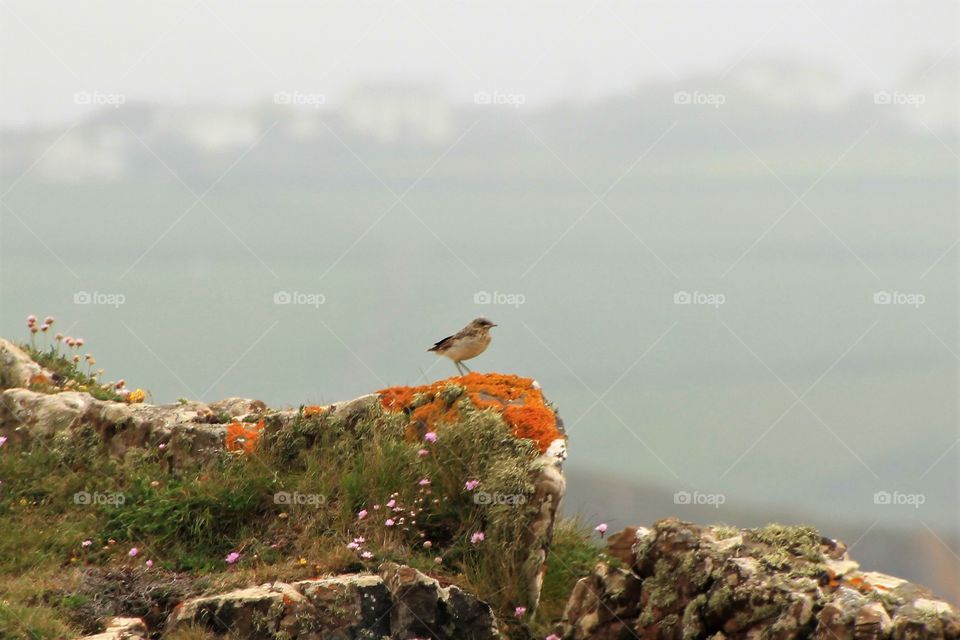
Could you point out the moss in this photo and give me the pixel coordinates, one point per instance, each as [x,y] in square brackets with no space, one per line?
[797,540]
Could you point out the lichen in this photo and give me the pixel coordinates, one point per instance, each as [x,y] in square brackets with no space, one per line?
[435,405]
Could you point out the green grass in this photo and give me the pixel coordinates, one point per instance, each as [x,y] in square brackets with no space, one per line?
[186,519]
[68,374]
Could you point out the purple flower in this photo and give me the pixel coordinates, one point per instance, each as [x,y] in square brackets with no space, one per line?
[149,563]
[133,552]
[430,436]
[366,555]
[3,440]
[353,545]
[519,611]
[389,522]
[424,483]
[552,636]
[601,528]
[391,504]
[361,514]
[423,452]
[86,543]
[232,557]
[477,537]
[470,485]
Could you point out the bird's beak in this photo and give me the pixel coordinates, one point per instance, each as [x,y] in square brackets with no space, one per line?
[493,325]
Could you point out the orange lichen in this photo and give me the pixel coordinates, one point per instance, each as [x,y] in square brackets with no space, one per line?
[517,399]
[242,436]
[313,410]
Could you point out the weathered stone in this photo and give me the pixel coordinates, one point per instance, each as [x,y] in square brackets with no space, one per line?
[255,613]
[400,603]
[121,629]
[17,369]
[782,583]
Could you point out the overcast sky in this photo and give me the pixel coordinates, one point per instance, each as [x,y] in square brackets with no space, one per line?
[229,53]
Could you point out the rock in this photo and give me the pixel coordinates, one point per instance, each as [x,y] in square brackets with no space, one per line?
[17,369]
[255,612]
[682,581]
[399,603]
[521,404]
[121,629]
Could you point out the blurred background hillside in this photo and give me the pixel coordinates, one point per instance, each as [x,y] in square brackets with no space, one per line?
[292,202]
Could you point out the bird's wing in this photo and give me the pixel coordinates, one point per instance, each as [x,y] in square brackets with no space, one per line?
[443,344]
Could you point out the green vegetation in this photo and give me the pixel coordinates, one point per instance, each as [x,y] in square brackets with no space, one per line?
[87,534]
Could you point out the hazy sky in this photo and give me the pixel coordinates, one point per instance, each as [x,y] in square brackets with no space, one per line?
[228,53]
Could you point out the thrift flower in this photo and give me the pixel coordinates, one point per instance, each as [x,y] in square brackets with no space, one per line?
[424,483]
[366,555]
[430,436]
[133,552]
[470,485]
[86,543]
[389,522]
[392,503]
[31,320]
[519,611]
[149,563]
[3,440]
[477,537]
[423,452]
[232,557]
[353,546]
[361,514]
[552,636]
[602,528]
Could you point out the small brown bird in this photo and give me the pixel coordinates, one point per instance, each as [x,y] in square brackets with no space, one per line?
[467,343]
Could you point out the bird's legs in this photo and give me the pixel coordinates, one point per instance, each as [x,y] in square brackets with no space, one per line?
[466,367]
[459,366]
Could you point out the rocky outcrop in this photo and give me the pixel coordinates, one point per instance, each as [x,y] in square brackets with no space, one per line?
[399,602]
[121,629]
[16,367]
[679,580]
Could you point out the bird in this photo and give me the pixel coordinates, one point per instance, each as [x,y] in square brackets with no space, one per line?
[467,343]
